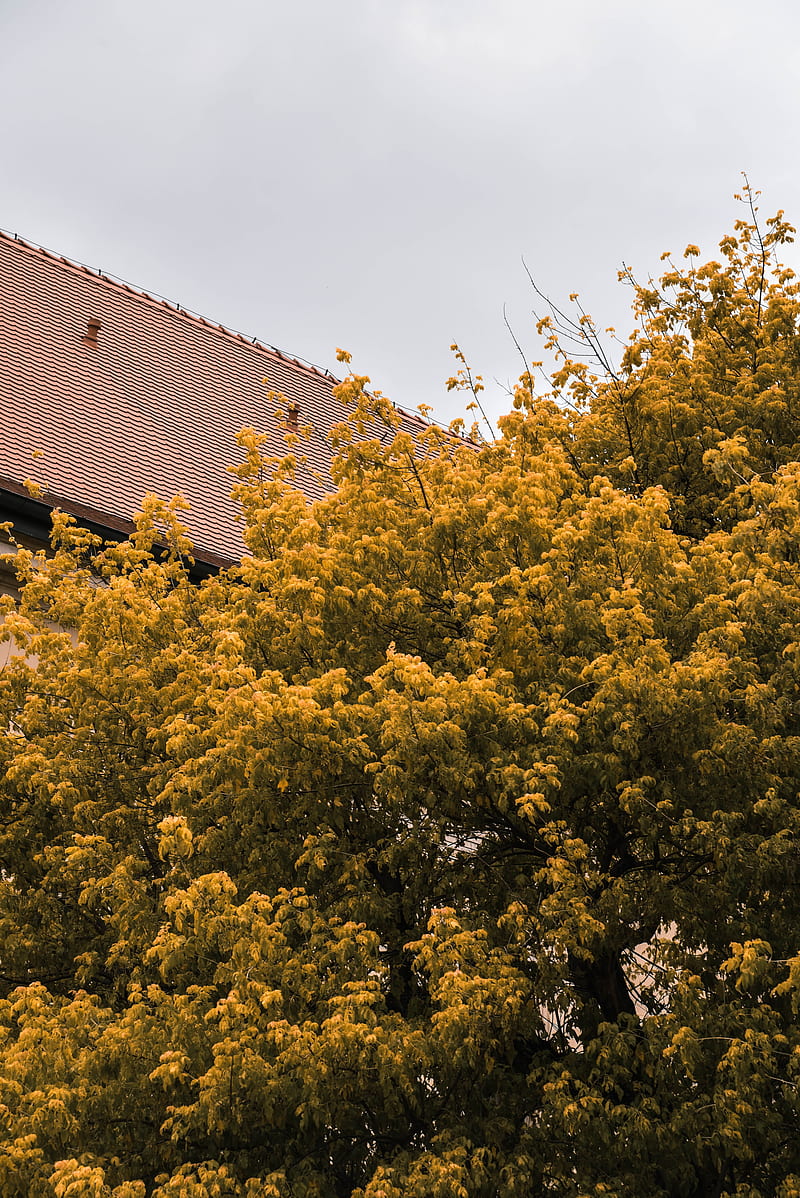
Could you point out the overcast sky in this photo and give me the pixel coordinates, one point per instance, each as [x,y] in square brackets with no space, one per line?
[370,174]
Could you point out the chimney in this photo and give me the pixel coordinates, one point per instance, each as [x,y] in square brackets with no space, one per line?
[92,329]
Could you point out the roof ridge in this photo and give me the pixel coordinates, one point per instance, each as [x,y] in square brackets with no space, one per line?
[196,318]
[160,301]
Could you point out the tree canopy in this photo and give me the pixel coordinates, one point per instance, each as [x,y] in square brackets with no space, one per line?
[449,846]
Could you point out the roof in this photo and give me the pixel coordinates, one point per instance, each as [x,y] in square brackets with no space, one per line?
[153,405]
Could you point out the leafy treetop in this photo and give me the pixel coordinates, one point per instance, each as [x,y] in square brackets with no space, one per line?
[448,845]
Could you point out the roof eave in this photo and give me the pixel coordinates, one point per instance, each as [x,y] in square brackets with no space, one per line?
[31,517]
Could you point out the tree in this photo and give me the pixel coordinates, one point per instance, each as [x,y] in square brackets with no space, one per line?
[448,846]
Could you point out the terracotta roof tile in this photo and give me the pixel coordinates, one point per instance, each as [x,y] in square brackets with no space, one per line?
[154,405]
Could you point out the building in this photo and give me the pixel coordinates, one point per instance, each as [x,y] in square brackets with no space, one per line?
[109,393]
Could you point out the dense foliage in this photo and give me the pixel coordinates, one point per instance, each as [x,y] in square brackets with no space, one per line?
[450,846]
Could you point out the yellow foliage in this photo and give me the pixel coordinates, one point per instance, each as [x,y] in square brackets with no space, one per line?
[446,846]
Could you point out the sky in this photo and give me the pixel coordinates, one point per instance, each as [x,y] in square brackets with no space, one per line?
[379,176]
